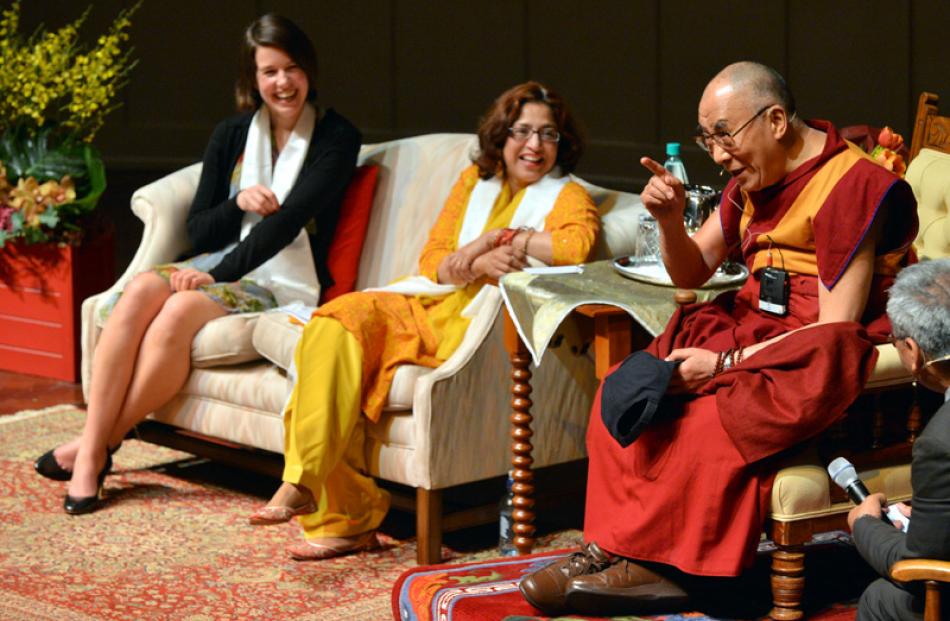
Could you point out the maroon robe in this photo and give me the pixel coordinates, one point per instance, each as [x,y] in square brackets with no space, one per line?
[694,489]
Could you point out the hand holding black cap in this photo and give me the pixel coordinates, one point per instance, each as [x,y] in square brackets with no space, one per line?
[631,395]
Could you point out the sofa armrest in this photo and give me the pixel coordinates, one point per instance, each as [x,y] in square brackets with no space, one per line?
[162,206]
[461,410]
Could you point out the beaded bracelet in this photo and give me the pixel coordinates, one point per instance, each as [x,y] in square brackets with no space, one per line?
[725,361]
[720,360]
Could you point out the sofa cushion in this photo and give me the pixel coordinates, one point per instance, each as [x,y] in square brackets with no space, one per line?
[343,257]
[224,341]
[802,491]
[240,403]
[275,338]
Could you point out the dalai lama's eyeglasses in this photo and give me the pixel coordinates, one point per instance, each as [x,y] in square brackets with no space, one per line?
[723,139]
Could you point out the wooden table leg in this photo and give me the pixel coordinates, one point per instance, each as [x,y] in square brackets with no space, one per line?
[521,448]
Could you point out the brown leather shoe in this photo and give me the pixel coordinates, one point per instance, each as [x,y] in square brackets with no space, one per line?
[624,588]
[545,588]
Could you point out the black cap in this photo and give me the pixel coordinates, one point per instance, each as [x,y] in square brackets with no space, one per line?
[631,395]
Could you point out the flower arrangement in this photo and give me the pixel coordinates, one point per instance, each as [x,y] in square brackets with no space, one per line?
[887,151]
[55,93]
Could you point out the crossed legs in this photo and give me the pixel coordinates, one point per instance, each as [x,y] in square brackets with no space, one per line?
[142,360]
[324,466]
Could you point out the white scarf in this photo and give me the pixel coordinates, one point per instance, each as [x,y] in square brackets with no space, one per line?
[535,205]
[290,274]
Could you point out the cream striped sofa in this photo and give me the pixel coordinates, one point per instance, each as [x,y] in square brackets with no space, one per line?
[442,427]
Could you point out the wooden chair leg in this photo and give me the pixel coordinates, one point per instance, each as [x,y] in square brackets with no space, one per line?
[932,601]
[788,582]
[428,526]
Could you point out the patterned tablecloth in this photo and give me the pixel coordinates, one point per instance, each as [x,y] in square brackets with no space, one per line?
[538,303]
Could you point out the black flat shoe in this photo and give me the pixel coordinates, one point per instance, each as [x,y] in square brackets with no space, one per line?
[47,466]
[88,504]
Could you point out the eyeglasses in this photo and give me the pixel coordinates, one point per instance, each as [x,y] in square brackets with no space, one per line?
[523,133]
[724,140]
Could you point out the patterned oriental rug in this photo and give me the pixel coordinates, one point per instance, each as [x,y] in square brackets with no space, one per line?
[166,547]
[172,542]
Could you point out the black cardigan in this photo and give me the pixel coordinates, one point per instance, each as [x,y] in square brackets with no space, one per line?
[214,220]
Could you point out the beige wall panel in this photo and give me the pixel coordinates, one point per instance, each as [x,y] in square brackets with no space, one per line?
[849,61]
[184,82]
[601,56]
[354,42]
[930,53]
[452,59]
[633,70]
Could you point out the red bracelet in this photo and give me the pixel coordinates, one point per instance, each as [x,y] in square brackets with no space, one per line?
[505,237]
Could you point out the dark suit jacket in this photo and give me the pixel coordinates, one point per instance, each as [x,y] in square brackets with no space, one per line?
[928,535]
[214,220]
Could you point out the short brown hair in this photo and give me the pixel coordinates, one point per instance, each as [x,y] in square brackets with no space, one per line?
[279,32]
[493,130]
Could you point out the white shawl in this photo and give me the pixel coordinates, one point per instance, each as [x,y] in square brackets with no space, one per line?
[290,274]
[535,205]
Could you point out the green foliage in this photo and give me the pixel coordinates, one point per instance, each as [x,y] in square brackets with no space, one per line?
[54,95]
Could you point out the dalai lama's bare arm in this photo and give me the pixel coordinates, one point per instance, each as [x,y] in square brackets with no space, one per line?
[844,302]
[690,261]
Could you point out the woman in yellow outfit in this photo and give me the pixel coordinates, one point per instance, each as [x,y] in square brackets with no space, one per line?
[349,351]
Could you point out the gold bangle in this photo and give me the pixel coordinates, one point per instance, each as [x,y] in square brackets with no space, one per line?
[526,240]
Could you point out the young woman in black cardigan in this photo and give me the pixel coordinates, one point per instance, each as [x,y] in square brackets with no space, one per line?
[266,175]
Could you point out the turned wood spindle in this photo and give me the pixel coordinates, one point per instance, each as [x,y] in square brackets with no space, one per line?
[788,583]
[521,447]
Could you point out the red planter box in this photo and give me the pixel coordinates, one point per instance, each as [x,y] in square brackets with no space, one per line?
[42,287]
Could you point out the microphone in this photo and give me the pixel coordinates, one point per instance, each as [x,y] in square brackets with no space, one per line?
[842,472]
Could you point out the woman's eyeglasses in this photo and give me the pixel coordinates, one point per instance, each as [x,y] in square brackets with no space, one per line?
[522,133]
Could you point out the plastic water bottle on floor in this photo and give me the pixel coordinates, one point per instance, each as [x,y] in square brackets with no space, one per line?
[673,162]
[506,520]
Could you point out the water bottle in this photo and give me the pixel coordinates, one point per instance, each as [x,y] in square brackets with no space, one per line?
[673,162]
[506,521]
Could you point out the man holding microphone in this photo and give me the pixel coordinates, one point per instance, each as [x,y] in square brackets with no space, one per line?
[919,309]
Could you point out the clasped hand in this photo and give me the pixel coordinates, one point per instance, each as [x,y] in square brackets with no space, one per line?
[258,199]
[189,278]
[697,366]
[664,195]
[481,258]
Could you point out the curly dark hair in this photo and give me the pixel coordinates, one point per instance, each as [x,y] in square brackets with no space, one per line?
[493,129]
[272,30]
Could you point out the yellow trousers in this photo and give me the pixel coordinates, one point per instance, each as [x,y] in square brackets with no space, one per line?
[325,431]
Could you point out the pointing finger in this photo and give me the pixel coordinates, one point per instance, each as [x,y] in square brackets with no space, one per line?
[653,166]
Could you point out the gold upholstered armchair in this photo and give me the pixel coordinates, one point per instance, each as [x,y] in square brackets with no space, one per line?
[879,431]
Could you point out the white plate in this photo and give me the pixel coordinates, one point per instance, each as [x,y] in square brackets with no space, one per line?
[649,270]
